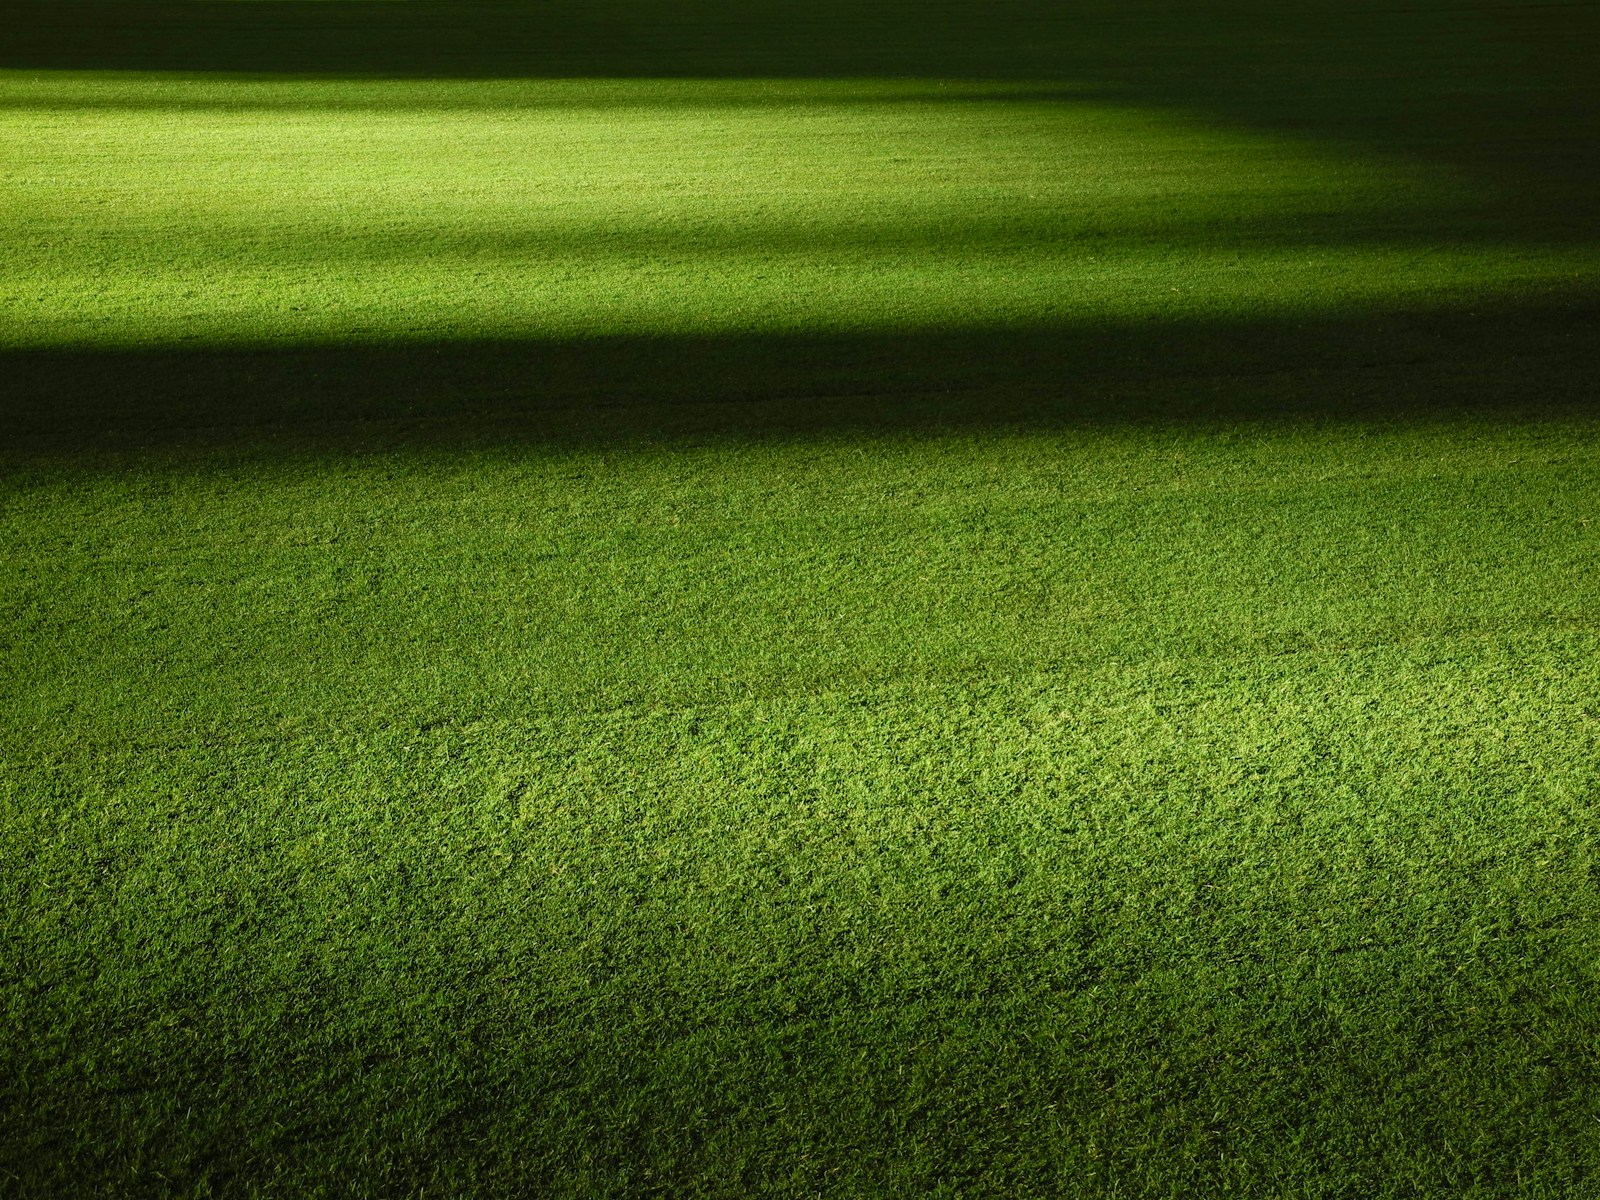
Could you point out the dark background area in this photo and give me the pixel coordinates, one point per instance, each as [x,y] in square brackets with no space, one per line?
[1389,75]
[1513,361]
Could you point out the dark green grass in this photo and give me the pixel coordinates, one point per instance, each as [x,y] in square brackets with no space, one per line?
[708,601]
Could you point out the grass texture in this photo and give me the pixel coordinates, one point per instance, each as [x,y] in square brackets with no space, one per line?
[330,211]
[641,600]
[492,170]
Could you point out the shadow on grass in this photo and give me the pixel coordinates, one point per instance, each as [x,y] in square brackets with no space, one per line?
[1498,90]
[1508,360]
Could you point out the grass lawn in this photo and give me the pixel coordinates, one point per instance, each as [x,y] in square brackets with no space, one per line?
[708,599]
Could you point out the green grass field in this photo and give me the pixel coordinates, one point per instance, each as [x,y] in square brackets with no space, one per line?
[700,599]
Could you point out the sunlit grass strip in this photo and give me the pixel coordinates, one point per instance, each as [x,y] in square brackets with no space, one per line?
[1317,921]
[170,210]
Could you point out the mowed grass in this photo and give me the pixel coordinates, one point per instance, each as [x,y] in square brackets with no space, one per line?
[737,631]
[164,209]
[1109,812]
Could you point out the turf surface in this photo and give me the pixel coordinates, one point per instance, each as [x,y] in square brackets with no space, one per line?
[616,600]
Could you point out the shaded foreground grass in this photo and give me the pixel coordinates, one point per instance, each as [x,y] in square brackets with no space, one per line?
[872,602]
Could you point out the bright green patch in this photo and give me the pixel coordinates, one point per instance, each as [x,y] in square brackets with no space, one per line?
[315,211]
